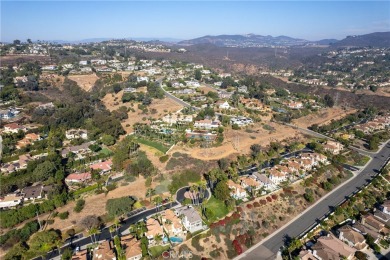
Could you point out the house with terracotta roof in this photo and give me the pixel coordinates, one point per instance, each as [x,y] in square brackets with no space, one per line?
[276,176]
[249,182]
[154,229]
[172,223]
[13,128]
[27,140]
[132,247]
[329,248]
[333,147]
[352,237]
[105,251]
[77,178]
[236,190]
[104,166]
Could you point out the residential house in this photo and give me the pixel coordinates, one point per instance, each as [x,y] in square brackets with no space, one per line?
[329,248]
[385,207]
[23,160]
[250,182]
[81,255]
[352,237]
[105,251]
[200,135]
[76,133]
[307,255]
[333,147]
[35,192]
[172,223]
[295,105]
[132,248]
[79,150]
[264,180]
[223,104]
[364,229]
[276,176]
[190,218]
[382,217]
[104,166]
[77,178]
[177,118]
[236,190]
[224,94]
[252,103]
[241,121]
[207,124]
[27,140]
[242,89]
[370,221]
[13,128]
[129,90]
[10,200]
[154,229]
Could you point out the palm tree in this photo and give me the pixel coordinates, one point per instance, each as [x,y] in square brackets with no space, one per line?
[203,207]
[157,201]
[111,229]
[117,223]
[158,238]
[203,188]
[58,244]
[92,232]
[192,191]
[149,193]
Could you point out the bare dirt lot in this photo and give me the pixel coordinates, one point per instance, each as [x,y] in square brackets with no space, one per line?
[85,82]
[18,59]
[162,106]
[95,204]
[206,89]
[323,116]
[239,141]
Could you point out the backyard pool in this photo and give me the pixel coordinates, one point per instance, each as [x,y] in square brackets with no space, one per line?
[176,239]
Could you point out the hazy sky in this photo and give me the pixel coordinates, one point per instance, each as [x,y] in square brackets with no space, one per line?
[76,20]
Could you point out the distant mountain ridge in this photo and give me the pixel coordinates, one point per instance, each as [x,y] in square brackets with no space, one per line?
[377,39]
[247,40]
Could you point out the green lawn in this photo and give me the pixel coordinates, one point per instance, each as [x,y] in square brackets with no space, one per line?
[105,151]
[218,207]
[86,189]
[156,251]
[159,146]
[363,160]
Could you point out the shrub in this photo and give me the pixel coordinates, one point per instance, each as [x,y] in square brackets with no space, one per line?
[249,206]
[63,215]
[79,205]
[237,247]
[256,204]
[164,158]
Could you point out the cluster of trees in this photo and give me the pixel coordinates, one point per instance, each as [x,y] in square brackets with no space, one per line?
[123,151]
[13,217]
[49,169]
[119,206]
[145,99]
[140,165]
[79,110]
[15,236]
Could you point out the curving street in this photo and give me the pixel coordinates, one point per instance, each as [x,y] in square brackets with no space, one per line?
[268,248]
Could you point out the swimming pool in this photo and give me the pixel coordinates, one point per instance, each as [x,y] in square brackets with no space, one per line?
[176,239]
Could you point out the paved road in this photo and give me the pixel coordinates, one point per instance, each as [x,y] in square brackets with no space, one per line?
[105,234]
[177,100]
[269,248]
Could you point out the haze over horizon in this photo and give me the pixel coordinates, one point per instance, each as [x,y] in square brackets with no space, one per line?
[74,21]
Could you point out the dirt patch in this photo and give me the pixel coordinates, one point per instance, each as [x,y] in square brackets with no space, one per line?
[239,141]
[161,106]
[86,82]
[323,116]
[95,204]
[206,89]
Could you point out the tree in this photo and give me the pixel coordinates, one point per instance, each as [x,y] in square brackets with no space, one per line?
[119,206]
[328,100]
[29,41]
[44,241]
[67,254]
[223,164]
[222,191]
[16,42]
[255,150]
[108,140]
[149,193]
[198,74]
[90,223]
